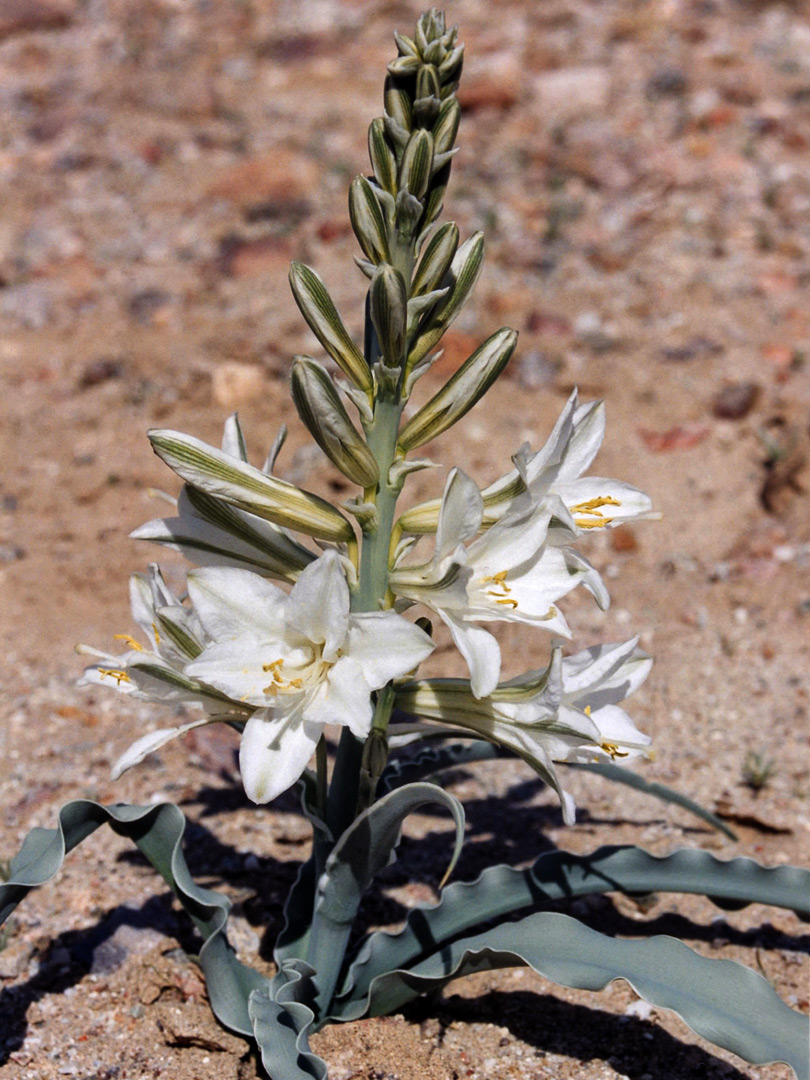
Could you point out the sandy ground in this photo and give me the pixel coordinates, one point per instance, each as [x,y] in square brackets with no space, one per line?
[641,174]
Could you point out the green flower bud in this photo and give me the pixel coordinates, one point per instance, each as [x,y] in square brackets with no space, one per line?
[317,307]
[321,409]
[388,305]
[464,271]
[461,392]
[436,260]
[417,164]
[368,221]
[446,127]
[398,105]
[383,158]
[248,488]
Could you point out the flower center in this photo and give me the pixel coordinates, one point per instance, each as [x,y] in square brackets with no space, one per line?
[501,590]
[613,750]
[593,508]
[297,676]
[113,673]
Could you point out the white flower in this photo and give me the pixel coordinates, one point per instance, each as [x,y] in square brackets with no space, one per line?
[156,672]
[569,712]
[301,659]
[555,472]
[510,573]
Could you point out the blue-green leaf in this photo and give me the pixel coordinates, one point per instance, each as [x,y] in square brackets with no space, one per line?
[158,832]
[722,1001]
[364,849]
[282,1019]
[559,875]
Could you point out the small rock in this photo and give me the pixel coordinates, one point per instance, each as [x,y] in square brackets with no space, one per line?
[147,305]
[735,400]
[572,91]
[282,178]
[30,305]
[18,16]
[242,258]
[494,81]
[668,82]
[100,370]
[234,383]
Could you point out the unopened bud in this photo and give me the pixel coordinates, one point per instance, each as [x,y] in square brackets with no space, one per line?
[239,484]
[388,301]
[368,221]
[398,106]
[417,164]
[383,158]
[436,260]
[446,127]
[464,271]
[316,306]
[461,392]
[321,409]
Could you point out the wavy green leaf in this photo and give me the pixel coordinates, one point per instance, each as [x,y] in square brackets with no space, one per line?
[502,890]
[158,832]
[282,1019]
[722,1001]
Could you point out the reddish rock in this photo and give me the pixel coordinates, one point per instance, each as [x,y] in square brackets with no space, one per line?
[283,177]
[18,16]
[735,400]
[234,384]
[494,81]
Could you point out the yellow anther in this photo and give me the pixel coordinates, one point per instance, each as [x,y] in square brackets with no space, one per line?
[271,689]
[156,632]
[587,710]
[592,506]
[296,684]
[613,750]
[499,579]
[507,603]
[133,644]
[113,673]
[600,523]
[275,666]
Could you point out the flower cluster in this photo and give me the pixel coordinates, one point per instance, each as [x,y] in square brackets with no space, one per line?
[333,643]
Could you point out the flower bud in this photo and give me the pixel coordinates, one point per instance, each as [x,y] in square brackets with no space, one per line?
[461,392]
[464,271]
[446,127]
[388,303]
[383,158]
[417,163]
[317,307]
[436,259]
[321,409]
[368,221]
[398,106]
[242,485]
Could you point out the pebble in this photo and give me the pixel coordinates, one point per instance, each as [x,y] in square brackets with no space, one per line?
[570,92]
[735,400]
[234,383]
[19,16]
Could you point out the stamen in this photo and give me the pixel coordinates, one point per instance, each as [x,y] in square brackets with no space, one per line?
[507,603]
[119,676]
[133,644]
[156,632]
[275,666]
[592,506]
[500,580]
[613,750]
[600,523]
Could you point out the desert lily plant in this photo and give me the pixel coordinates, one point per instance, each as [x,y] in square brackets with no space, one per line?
[303,617]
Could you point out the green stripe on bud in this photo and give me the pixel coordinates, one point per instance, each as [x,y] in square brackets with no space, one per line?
[244,486]
[383,158]
[464,271]
[446,127]
[321,409]
[416,166]
[388,306]
[436,260]
[368,221]
[398,105]
[461,392]
[317,307]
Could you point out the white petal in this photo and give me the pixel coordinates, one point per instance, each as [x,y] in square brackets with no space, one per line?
[617,728]
[632,503]
[460,515]
[343,698]
[481,651]
[231,603]
[515,539]
[147,744]
[386,646]
[586,438]
[590,669]
[233,441]
[585,573]
[274,751]
[319,604]
[238,669]
[539,470]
